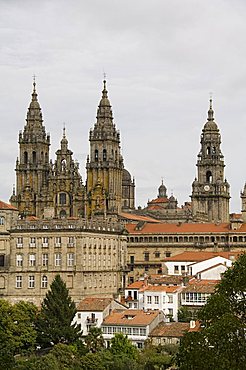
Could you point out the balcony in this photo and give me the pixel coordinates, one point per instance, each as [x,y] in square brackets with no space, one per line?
[45,245]
[92,321]
[70,245]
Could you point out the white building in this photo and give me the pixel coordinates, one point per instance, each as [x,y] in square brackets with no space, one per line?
[196,293]
[163,298]
[91,311]
[191,263]
[132,295]
[136,324]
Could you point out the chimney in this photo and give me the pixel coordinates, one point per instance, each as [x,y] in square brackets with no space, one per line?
[192,324]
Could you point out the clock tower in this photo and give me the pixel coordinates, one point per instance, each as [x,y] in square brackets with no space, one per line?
[210,190]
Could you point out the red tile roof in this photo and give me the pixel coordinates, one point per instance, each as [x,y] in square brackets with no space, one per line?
[172,329]
[136,285]
[190,256]
[131,317]
[159,200]
[6,206]
[94,304]
[200,286]
[162,228]
[132,216]
[162,288]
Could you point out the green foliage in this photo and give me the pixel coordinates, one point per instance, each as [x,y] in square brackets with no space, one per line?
[17,332]
[57,313]
[185,315]
[94,340]
[122,346]
[221,344]
[92,361]
[155,357]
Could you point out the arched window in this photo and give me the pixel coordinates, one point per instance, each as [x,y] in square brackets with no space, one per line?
[63,214]
[25,157]
[209,177]
[42,157]
[44,282]
[96,155]
[104,154]
[2,220]
[34,157]
[62,198]
[46,157]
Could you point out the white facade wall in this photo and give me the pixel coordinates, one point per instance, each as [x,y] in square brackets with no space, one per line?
[203,265]
[214,273]
[181,267]
[164,301]
[82,316]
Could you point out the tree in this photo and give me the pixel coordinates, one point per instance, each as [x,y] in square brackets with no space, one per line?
[17,332]
[122,346]
[222,342]
[94,340]
[54,323]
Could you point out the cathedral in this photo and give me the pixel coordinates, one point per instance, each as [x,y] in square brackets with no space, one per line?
[90,232]
[55,190]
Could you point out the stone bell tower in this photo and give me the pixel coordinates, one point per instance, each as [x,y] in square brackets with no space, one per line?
[210,190]
[105,163]
[32,166]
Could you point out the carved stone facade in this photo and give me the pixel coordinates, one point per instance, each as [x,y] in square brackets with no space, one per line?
[45,189]
[210,190]
[109,185]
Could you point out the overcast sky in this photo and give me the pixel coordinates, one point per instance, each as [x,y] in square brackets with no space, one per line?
[162,59]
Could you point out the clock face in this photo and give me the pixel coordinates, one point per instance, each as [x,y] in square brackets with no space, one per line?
[206,187]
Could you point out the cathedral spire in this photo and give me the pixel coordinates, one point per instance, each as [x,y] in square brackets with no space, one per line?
[104,112]
[210,111]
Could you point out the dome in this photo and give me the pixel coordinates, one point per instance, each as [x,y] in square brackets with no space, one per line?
[126,176]
[162,191]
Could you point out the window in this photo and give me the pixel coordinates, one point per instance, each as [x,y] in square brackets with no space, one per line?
[176,269]
[168,254]
[44,282]
[183,268]
[45,259]
[170,311]
[19,260]
[19,242]
[157,254]
[58,241]
[70,259]
[149,299]
[170,298]
[140,345]
[104,154]
[62,198]
[71,241]
[79,316]
[135,331]
[32,242]
[32,259]
[2,220]
[31,281]
[96,155]
[18,281]
[132,260]
[142,331]
[146,256]
[2,257]
[57,259]
[209,177]
[45,241]
[156,299]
